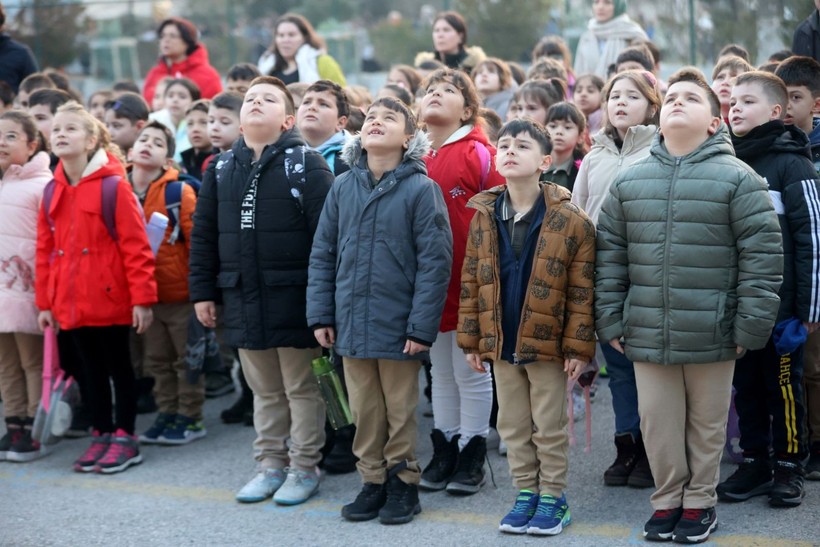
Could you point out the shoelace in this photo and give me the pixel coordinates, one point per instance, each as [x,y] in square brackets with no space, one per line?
[115,450]
[546,509]
[693,514]
[96,450]
[522,505]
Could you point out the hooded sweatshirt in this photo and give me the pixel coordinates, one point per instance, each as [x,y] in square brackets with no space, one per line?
[196,66]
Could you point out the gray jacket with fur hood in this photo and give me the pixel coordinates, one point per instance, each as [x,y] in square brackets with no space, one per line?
[381,257]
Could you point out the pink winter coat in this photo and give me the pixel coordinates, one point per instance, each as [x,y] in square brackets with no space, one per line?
[21,191]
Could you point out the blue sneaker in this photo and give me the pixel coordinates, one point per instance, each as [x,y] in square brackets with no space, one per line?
[162,421]
[182,431]
[518,519]
[551,516]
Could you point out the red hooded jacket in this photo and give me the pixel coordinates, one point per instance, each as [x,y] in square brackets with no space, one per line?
[456,167]
[196,67]
[83,276]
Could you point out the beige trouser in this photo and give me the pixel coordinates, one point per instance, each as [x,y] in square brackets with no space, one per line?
[811,381]
[21,373]
[532,421]
[287,403]
[165,344]
[383,397]
[684,409]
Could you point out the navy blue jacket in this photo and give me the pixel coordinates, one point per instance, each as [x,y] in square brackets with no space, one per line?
[16,61]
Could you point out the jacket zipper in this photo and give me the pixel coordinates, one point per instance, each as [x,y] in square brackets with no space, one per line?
[667,245]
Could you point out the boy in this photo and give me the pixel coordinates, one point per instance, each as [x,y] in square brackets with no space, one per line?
[180,403]
[253,228]
[43,104]
[29,85]
[125,117]
[195,159]
[541,260]
[802,78]
[384,222]
[723,78]
[688,267]
[223,120]
[321,119]
[239,76]
[768,382]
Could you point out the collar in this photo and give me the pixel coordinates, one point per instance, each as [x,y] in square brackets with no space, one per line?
[506,211]
[566,167]
[459,134]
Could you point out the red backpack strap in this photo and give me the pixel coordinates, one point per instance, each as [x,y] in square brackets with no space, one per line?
[109,204]
[484,159]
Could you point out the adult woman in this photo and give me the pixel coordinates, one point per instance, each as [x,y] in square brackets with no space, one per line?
[298,54]
[609,31]
[450,44]
[182,56]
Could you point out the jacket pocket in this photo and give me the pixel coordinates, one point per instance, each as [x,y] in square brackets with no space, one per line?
[284,278]
[227,280]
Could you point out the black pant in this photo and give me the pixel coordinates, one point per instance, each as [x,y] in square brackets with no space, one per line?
[95,356]
[769,402]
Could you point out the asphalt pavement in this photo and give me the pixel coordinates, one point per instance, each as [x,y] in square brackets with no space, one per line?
[185,496]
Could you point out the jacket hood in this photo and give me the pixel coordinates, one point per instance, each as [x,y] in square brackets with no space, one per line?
[291,137]
[198,57]
[636,136]
[356,157]
[814,136]
[771,137]
[37,166]
[486,200]
[334,143]
[101,165]
[719,143]
[469,56]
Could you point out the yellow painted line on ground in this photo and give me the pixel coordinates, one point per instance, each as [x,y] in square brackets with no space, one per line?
[606,531]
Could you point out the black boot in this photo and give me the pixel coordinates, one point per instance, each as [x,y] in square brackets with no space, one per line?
[235,414]
[367,504]
[340,459]
[445,458]
[145,396]
[14,430]
[469,476]
[641,476]
[625,462]
[402,502]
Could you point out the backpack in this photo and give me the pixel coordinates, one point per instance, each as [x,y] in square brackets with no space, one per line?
[173,201]
[59,397]
[484,160]
[294,171]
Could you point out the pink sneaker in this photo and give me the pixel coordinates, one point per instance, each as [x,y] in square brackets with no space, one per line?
[99,445]
[123,452]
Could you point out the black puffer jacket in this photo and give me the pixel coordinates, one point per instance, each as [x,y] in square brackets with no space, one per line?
[261,271]
[16,61]
[781,154]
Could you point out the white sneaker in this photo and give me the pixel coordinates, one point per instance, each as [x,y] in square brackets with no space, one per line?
[298,488]
[502,448]
[262,486]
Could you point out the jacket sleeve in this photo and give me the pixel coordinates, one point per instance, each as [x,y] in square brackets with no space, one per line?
[318,181]
[759,245]
[329,69]
[137,257]
[468,335]
[802,40]
[210,83]
[42,266]
[580,192]
[433,241]
[578,339]
[802,204]
[204,260]
[321,289]
[611,268]
[186,213]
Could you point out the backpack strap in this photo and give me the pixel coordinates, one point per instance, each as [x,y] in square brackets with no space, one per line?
[48,196]
[109,204]
[173,203]
[484,160]
[295,173]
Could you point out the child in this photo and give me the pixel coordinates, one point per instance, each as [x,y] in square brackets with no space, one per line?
[462,400]
[494,84]
[769,381]
[29,85]
[223,120]
[632,104]
[124,118]
[321,119]
[587,96]
[92,285]
[253,228]
[180,94]
[566,127]
[240,76]
[196,158]
[397,92]
[726,70]
[535,97]
[24,167]
[384,221]
[43,105]
[535,268]
[180,403]
[802,78]
[687,235]
[546,68]
[636,57]
[97,102]
[158,101]
[297,89]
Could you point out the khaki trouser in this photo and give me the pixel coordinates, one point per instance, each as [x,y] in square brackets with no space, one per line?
[684,409]
[287,404]
[811,381]
[532,421]
[165,344]
[21,373]
[383,397]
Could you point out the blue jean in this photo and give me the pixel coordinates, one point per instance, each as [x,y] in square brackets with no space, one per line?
[624,392]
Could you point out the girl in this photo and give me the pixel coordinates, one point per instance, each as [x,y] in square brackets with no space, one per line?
[298,54]
[406,77]
[554,47]
[97,101]
[566,126]
[495,84]
[608,32]
[534,98]
[450,44]
[95,280]
[24,166]
[460,162]
[587,96]
[180,94]
[632,105]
